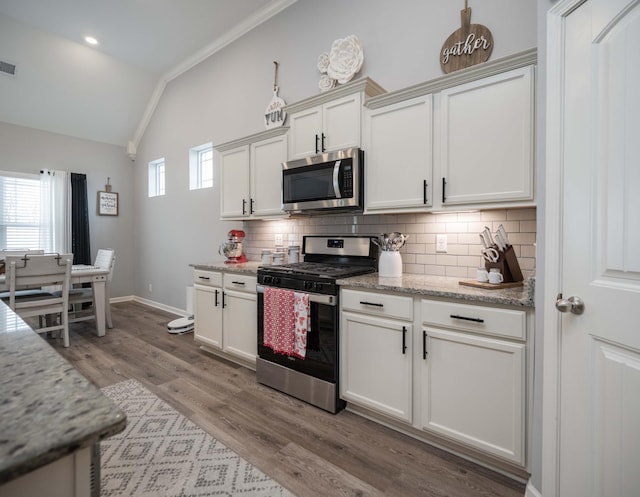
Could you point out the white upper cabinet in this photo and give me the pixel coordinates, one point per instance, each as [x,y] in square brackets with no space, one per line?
[398,156]
[251,175]
[304,135]
[234,182]
[329,121]
[266,158]
[463,140]
[487,139]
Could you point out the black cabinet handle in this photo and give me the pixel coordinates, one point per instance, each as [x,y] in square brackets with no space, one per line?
[216,298]
[317,139]
[404,339]
[323,148]
[424,345]
[204,278]
[444,185]
[424,192]
[251,206]
[238,282]
[465,318]
[223,302]
[371,303]
[244,206]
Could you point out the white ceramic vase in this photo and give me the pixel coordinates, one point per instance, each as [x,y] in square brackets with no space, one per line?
[390,264]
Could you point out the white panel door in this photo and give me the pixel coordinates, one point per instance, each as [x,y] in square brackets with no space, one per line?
[486,139]
[375,364]
[305,130]
[599,350]
[267,157]
[474,391]
[341,119]
[208,315]
[241,325]
[398,138]
[234,183]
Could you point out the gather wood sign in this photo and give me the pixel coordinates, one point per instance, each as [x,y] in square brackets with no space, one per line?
[468,45]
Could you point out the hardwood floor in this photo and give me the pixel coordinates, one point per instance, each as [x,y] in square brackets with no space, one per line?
[308,451]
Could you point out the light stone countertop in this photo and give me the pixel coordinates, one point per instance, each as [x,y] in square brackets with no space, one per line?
[446,287]
[47,409]
[250,267]
[416,284]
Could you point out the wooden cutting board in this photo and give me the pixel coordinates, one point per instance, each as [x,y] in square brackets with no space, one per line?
[490,286]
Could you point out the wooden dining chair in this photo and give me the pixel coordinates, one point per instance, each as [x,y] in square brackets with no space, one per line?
[105,259]
[26,276]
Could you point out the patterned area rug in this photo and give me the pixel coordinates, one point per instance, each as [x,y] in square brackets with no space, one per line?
[161,454]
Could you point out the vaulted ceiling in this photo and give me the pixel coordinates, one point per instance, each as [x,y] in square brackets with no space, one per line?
[107,92]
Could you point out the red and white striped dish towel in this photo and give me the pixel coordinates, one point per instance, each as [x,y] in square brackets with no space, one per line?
[286,321]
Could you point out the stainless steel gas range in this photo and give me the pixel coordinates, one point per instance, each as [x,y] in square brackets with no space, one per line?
[307,292]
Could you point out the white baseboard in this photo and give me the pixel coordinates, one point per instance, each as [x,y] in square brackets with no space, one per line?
[150,303]
[531,491]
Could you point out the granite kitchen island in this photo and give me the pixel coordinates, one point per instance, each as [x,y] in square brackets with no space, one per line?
[50,416]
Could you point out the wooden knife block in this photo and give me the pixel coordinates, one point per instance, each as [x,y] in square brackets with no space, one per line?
[508,265]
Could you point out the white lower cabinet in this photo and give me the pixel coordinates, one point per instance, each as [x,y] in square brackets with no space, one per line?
[207,316]
[225,314]
[240,317]
[453,371]
[473,391]
[376,364]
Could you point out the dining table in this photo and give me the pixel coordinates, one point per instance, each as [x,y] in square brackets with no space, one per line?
[83,273]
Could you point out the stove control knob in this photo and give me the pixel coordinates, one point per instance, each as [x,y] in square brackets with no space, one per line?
[267,280]
[276,280]
[319,287]
[307,285]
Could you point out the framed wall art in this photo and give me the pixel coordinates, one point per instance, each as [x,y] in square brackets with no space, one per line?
[107,204]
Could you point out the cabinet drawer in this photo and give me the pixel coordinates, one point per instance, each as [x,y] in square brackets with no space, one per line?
[475,318]
[240,282]
[378,304]
[209,278]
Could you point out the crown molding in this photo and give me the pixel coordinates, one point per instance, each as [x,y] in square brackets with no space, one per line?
[467,75]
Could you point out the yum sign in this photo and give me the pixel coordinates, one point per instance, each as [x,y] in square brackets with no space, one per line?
[469,45]
[275,115]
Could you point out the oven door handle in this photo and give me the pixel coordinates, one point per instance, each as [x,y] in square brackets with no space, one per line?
[313,297]
[336,179]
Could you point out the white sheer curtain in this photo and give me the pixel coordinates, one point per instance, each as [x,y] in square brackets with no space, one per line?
[55,211]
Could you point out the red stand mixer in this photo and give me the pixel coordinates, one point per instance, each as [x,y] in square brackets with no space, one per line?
[232,248]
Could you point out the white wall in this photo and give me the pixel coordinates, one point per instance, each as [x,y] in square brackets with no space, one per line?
[27,150]
[224,98]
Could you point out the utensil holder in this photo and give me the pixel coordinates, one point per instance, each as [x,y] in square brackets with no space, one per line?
[508,265]
[390,264]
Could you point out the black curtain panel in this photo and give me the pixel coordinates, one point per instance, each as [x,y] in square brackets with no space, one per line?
[80,220]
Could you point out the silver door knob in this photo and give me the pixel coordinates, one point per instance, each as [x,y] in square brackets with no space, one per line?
[575,305]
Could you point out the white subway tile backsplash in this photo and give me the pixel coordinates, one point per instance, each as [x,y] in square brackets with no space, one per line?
[528,214]
[499,215]
[435,270]
[456,271]
[419,255]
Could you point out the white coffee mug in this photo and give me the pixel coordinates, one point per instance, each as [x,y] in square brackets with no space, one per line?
[495,277]
[482,275]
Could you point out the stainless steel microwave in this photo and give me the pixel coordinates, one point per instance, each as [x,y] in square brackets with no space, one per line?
[331,181]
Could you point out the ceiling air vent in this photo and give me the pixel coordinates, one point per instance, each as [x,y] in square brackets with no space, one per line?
[7,68]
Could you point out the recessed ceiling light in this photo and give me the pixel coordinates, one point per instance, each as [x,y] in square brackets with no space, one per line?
[90,40]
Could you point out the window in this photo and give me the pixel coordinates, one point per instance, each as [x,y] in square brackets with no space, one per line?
[156,178]
[201,167]
[20,211]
